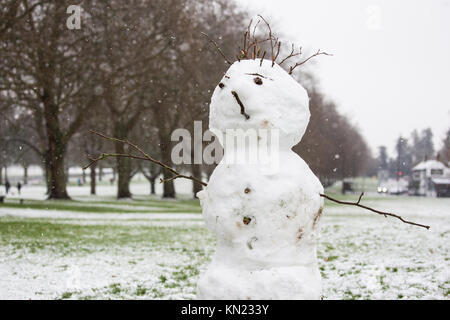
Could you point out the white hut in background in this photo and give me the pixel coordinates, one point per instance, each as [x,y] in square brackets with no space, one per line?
[430,178]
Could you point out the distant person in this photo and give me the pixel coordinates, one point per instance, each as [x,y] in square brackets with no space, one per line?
[7,186]
[111,181]
[19,187]
[79,182]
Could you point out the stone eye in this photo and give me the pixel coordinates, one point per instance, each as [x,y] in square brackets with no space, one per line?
[221,85]
[258,81]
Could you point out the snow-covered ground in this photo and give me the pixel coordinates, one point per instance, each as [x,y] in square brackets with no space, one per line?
[151,249]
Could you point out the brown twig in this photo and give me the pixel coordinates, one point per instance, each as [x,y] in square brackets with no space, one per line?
[236,96]
[262,58]
[292,54]
[108,155]
[244,51]
[217,47]
[248,34]
[259,75]
[310,57]
[254,29]
[276,55]
[357,204]
[144,156]
[272,45]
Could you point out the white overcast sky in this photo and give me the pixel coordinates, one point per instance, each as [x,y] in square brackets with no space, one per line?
[390,72]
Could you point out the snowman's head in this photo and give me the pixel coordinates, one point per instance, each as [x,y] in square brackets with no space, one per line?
[255,95]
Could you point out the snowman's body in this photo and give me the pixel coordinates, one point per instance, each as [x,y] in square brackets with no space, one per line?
[265,220]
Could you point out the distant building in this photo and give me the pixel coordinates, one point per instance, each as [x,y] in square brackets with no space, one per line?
[430,178]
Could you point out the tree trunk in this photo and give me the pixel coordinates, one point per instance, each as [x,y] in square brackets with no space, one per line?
[168,186]
[55,167]
[57,177]
[93,184]
[152,185]
[83,176]
[25,174]
[123,182]
[46,172]
[100,173]
[56,148]
[1,175]
[123,164]
[196,171]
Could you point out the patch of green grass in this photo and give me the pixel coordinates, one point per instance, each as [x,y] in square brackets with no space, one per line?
[62,238]
[331,258]
[414,269]
[115,288]
[445,287]
[348,294]
[393,269]
[67,295]
[156,293]
[95,207]
[140,290]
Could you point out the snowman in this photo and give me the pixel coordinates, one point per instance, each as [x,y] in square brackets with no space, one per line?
[265,221]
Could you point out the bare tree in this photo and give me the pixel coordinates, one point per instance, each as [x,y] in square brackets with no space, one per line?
[46,71]
[134,40]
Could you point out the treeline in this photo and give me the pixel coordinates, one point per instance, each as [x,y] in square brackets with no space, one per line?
[410,151]
[135,70]
[332,146]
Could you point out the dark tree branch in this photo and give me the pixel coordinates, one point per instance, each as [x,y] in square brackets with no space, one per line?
[307,59]
[108,155]
[292,54]
[262,58]
[217,47]
[144,156]
[357,204]
[272,44]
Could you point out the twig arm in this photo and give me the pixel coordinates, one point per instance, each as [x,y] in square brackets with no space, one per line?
[144,156]
[357,204]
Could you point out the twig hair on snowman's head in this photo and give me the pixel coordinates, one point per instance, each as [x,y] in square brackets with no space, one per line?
[254,48]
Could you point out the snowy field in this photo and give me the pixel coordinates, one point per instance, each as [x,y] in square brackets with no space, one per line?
[100,248]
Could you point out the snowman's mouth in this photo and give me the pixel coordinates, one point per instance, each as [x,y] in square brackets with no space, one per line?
[236,96]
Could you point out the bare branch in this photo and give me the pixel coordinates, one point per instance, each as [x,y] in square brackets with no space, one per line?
[217,47]
[292,54]
[108,155]
[144,156]
[278,52]
[270,34]
[171,178]
[310,57]
[357,204]
[262,58]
